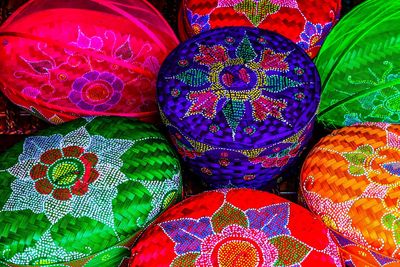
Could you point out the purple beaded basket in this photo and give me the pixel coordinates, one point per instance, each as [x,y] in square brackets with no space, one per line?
[239,104]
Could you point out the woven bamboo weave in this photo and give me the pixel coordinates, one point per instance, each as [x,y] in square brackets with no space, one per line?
[305,22]
[359,65]
[236,228]
[60,61]
[239,104]
[351,180]
[79,193]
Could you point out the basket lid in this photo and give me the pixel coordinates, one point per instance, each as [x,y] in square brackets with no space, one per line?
[305,22]
[239,88]
[83,189]
[237,227]
[351,180]
[360,67]
[60,55]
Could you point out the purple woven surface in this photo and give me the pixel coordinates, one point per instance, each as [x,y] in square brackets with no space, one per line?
[238,97]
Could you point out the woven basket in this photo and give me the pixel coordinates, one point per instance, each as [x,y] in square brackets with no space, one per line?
[351,180]
[79,193]
[305,22]
[237,227]
[359,65]
[239,104]
[13,120]
[61,61]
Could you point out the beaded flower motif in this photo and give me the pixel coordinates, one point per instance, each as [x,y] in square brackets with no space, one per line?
[76,174]
[237,84]
[235,237]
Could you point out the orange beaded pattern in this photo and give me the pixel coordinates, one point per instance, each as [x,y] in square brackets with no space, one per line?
[351,180]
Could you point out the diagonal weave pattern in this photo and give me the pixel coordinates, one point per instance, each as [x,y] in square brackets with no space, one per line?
[351,179]
[80,192]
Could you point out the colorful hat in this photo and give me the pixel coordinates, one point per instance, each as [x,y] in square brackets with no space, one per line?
[60,61]
[237,227]
[305,22]
[78,194]
[351,180]
[239,104]
[359,66]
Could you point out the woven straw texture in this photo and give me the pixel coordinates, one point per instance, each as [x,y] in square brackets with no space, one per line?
[236,228]
[351,180]
[305,22]
[359,65]
[239,103]
[60,61]
[78,194]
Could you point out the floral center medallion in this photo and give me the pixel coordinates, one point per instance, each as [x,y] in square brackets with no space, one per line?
[97,93]
[238,253]
[65,172]
[238,77]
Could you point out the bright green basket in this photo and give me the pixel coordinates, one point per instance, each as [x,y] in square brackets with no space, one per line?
[78,194]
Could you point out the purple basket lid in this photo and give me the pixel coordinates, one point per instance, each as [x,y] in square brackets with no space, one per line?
[238,88]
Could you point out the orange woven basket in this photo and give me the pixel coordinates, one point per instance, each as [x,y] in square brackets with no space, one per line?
[351,180]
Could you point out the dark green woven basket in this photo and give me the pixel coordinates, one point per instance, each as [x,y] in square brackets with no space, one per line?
[78,194]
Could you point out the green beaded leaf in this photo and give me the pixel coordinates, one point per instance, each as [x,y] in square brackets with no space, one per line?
[387,221]
[245,50]
[186,260]
[110,258]
[256,11]
[234,112]
[356,170]
[193,77]
[276,83]
[227,215]
[285,244]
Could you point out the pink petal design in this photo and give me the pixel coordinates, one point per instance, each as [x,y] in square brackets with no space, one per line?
[203,102]
[274,61]
[393,140]
[124,51]
[285,3]
[41,67]
[83,41]
[211,55]
[228,3]
[265,106]
[96,43]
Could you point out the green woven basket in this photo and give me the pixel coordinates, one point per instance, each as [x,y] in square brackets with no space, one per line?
[359,65]
[78,194]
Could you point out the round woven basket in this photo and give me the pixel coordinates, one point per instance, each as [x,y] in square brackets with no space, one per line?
[78,194]
[236,228]
[351,180]
[305,22]
[239,104]
[60,60]
[359,65]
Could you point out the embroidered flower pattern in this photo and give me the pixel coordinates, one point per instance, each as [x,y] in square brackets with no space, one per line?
[235,237]
[96,91]
[75,174]
[232,82]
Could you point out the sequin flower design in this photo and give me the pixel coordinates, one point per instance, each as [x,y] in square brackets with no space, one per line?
[75,174]
[199,23]
[237,84]
[313,36]
[233,237]
[96,91]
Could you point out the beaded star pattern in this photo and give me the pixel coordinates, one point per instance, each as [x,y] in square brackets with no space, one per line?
[236,237]
[237,84]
